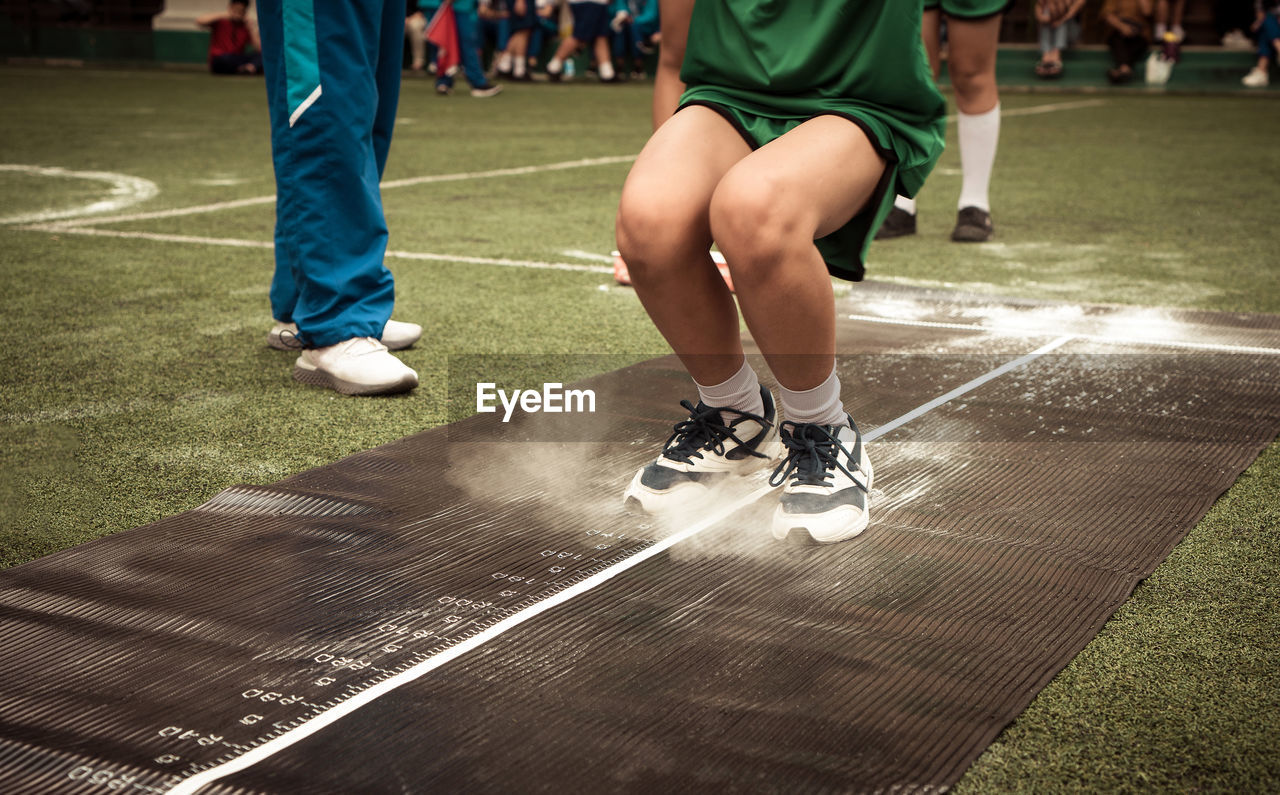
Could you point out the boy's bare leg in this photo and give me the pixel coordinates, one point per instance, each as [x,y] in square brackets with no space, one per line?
[766,213]
[667,86]
[664,235]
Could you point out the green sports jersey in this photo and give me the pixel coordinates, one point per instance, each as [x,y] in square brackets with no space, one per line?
[770,65]
[789,59]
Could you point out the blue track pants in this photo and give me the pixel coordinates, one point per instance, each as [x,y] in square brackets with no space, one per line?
[333,79]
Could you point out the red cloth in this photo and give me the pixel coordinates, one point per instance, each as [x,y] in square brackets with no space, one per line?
[227,37]
[442,31]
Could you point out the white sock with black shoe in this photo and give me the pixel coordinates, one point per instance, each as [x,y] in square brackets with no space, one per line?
[740,391]
[979,135]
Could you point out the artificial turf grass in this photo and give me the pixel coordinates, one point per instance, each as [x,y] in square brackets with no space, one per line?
[1179,691]
[136,382]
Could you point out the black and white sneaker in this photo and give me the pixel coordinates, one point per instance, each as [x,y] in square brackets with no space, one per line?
[703,453]
[828,494]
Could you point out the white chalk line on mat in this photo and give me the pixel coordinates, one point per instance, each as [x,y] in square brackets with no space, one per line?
[372,693]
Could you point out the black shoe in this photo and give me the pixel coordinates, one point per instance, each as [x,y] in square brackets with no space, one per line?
[702,453]
[973,226]
[898,223]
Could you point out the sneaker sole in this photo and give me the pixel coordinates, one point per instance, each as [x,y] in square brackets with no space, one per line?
[830,527]
[971,234]
[323,379]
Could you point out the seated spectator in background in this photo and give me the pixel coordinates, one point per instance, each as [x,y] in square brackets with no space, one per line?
[1231,18]
[1056,33]
[230,34]
[415,23]
[522,18]
[634,24]
[1169,21]
[1127,36]
[495,29]
[591,28]
[1268,29]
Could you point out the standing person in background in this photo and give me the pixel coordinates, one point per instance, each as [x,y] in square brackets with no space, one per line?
[234,48]
[466,42]
[973,34]
[333,81]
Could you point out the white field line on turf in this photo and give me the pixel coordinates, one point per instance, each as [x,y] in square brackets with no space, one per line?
[238,243]
[395,183]
[125,191]
[301,732]
[1216,347]
[1051,107]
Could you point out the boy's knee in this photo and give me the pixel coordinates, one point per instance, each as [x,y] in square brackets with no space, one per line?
[648,235]
[755,219]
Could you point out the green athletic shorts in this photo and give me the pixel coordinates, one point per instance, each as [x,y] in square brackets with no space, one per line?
[969,9]
[845,249]
[768,66]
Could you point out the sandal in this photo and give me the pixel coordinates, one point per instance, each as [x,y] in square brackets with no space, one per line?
[1049,70]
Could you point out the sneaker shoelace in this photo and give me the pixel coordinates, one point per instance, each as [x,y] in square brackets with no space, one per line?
[290,339]
[705,430]
[813,452]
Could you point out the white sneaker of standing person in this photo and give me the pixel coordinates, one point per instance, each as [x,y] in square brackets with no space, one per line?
[395,335]
[828,493]
[358,366]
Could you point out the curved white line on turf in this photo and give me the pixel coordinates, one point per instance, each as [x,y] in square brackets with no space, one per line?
[395,183]
[239,243]
[301,732]
[126,191]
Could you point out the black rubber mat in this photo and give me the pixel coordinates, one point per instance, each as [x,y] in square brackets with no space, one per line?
[467,610]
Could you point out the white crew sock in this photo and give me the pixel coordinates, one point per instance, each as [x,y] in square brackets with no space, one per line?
[903,203]
[504,62]
[820,405]
[606,70]
[517,66]
[741,392]
[555,66]
[979,134]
